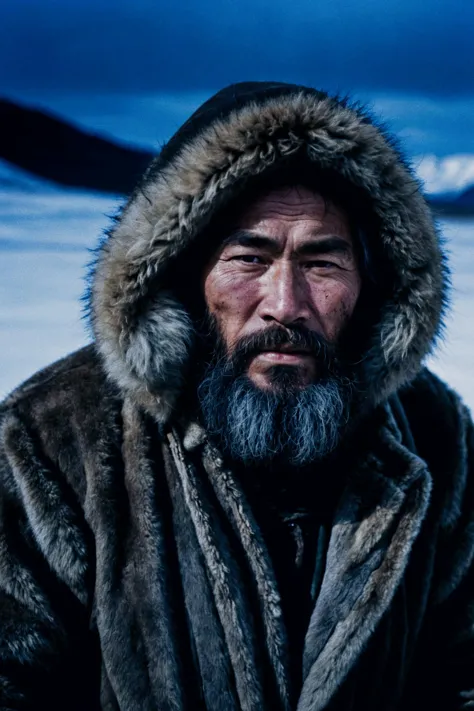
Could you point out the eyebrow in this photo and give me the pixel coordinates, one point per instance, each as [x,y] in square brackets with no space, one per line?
[326,245]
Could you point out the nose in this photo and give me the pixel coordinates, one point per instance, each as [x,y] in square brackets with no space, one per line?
[285,299]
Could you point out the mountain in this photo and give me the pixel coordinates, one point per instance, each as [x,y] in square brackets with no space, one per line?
[51,148]
[13,178]
[466,199]
[450,205]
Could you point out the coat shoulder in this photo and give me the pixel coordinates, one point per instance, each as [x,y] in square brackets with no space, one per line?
[436,414]
[63,413]
[75,383]
[443,433]
[76,370]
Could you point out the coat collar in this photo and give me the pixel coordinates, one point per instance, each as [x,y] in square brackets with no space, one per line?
[376,523]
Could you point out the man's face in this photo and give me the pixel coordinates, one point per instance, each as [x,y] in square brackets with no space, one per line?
[289,262]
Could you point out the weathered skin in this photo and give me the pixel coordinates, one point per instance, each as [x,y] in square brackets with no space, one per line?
[294,279]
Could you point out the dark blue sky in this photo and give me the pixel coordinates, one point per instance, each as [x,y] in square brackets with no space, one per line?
[409,46]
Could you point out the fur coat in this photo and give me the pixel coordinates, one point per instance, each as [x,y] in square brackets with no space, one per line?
[133,574]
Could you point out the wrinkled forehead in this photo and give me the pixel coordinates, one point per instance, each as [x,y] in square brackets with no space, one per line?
[292,209]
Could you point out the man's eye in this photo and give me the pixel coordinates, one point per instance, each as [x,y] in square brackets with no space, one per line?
[321,264]
[249,259]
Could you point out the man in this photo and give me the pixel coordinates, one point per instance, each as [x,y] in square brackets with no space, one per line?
[247,493]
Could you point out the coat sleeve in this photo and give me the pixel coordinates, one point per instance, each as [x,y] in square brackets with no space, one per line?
[45,637]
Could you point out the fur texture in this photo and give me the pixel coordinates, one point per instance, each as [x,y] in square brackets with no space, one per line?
[133,573]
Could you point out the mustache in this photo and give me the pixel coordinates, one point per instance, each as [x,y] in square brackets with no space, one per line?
[275,337]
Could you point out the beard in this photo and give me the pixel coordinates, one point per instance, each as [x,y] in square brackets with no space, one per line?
[290,423]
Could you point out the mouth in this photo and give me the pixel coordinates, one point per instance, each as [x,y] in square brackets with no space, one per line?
[285,355]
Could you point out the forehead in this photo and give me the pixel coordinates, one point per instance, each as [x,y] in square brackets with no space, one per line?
[296,210]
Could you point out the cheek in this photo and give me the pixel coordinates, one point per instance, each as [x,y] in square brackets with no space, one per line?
[229,300]
[334,304]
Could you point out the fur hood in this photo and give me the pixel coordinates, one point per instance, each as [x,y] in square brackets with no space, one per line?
[145,335]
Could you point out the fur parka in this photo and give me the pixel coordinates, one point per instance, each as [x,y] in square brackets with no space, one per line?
[133,573]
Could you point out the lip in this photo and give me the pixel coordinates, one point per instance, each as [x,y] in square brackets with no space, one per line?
[284,356]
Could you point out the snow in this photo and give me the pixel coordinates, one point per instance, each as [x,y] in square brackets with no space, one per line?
[45,237]
[46,234]
[454,358]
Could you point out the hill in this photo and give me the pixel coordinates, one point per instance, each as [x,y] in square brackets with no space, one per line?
[50,148]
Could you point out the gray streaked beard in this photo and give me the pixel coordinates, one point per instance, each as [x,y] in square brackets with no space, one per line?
[292,423]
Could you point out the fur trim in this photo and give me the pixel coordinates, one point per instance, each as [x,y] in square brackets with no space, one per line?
[366,560]
[223,575]
[233,502]
[145,336]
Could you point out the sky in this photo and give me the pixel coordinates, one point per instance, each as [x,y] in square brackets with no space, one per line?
[136,70]
[106,46]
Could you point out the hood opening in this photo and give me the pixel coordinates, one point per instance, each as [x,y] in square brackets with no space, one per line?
[184,271]
[142,325]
